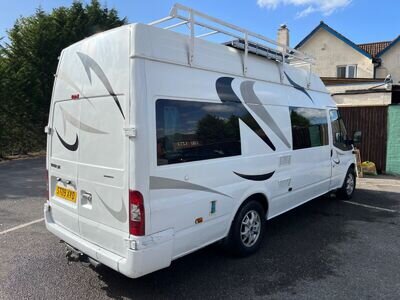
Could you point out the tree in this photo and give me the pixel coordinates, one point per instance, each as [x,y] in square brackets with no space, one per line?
[28,63]
[210,129]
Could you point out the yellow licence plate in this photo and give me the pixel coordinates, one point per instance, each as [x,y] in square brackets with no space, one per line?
[65,193]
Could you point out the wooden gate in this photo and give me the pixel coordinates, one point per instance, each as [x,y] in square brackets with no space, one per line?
[372,121]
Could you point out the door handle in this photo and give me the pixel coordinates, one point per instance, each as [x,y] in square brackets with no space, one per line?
[87,196]
[336,161]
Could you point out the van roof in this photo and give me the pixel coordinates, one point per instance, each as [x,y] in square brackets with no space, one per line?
[168,46]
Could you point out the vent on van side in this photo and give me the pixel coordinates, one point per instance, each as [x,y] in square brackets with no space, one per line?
[284,160]
[284,183]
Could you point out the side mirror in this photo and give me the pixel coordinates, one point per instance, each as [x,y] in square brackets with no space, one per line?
[357,137]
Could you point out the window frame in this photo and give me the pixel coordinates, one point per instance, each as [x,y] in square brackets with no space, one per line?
[347,68]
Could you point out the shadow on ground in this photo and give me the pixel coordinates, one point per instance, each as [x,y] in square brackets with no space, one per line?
[300,245]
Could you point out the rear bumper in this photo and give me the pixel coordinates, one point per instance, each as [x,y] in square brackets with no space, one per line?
[144,254]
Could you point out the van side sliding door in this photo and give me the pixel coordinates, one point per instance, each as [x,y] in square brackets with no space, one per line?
[311,153]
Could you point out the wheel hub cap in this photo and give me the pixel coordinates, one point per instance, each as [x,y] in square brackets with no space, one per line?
[350,184]
[250,228]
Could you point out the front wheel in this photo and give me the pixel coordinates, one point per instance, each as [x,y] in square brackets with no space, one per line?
[349,185]
[247,229]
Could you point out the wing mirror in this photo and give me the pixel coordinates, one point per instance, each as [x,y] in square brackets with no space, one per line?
[355,140]
[357,137]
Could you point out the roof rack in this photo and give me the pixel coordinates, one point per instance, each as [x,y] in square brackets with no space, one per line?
[244,39]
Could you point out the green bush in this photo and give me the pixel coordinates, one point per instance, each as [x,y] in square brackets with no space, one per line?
[28,63]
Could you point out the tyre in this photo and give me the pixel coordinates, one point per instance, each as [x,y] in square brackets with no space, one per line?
[349,185]
[247,229]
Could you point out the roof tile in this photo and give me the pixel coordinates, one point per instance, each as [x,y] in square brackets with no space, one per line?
[374,48]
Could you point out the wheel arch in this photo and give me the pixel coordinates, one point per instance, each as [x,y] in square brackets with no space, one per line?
[352,165]
[260,197]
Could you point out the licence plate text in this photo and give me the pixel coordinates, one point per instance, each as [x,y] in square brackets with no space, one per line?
[66,194]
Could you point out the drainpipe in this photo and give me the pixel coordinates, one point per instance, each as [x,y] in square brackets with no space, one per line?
[377,63]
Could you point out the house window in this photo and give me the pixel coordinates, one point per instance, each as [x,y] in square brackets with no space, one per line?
[348,71]
[341,72]
[309,127]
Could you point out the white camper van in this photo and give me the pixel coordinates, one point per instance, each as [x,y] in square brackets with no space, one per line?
[160,143]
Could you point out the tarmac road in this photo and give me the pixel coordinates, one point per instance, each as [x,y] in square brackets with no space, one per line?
[325,249]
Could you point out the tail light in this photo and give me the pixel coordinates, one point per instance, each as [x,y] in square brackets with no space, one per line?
[136,213]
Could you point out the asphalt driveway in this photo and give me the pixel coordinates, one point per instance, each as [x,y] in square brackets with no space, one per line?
[322,250]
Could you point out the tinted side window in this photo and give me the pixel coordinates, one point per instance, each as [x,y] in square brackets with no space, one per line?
[191,131]
[309,127]
[339,132]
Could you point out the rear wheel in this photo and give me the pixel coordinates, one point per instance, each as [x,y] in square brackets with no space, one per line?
[349,185]
[247,229]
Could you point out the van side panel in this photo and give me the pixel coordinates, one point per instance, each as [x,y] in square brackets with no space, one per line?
[181,194]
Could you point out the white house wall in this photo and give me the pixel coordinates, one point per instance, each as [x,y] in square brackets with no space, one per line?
[362,99]
[390,64]
[368,99]
[329,52]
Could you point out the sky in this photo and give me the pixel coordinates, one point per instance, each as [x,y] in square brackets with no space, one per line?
[358,20]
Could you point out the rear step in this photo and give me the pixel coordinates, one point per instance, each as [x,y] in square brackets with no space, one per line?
[74,255]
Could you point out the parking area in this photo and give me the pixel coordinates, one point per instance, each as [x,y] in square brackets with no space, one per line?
[324,249]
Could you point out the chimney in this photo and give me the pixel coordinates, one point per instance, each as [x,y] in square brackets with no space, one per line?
[283,36]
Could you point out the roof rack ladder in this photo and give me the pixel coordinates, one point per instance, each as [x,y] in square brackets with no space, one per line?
[191,46]
[193,18]
[246,52]
[309,76]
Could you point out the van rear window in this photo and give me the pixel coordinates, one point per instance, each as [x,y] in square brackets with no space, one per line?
[192,131]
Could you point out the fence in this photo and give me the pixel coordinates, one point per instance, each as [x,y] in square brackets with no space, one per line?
[372,121]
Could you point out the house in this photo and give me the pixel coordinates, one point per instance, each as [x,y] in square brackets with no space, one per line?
[355,73]
[364,80]
[339,57]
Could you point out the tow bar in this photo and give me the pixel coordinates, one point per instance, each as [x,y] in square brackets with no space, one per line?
[74,255]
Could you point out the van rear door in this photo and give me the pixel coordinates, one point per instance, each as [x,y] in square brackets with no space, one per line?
[63,142]
[103,155]
[63,167]
[88,143]
[103,212]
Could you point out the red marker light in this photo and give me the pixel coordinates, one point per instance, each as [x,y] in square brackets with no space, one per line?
[75,97]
